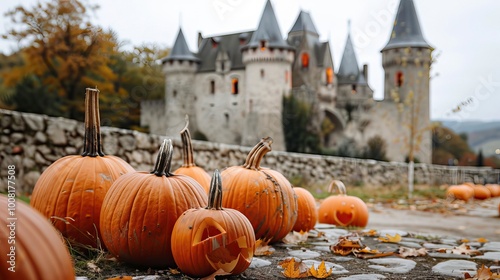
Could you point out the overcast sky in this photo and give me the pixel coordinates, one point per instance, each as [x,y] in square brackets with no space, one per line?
[464,33]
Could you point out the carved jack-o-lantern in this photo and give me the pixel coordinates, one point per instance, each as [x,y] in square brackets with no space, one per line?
[213,238]
[343,209]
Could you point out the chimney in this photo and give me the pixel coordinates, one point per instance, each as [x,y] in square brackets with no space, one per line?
[365,72]
[200,38]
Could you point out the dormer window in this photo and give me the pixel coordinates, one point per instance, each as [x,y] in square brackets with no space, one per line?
[329,75]
[305,60]
[262,45]
[399,79]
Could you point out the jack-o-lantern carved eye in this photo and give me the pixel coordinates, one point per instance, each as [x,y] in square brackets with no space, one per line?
[216,238]
[342,209]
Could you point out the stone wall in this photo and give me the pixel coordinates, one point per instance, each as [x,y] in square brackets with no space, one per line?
[32,142]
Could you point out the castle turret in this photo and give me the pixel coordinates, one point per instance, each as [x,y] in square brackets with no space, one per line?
[267,58]
[180,67]
[407,60]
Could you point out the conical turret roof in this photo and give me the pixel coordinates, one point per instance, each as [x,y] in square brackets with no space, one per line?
[180,51]
[406,31]
[268,30]
[349,72]
[304,22]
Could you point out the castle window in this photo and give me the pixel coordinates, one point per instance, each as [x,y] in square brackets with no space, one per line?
[262,45]
[222,66]
[353,89]
[234,86]
[305,60]
[214,44]
[212,86]
[399,79]
[262,73]
[174,93]
[329,75]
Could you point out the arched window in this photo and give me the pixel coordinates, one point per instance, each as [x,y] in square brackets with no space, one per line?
[234,86]
[329,75]
[212,86]
[399,79]
[305,60]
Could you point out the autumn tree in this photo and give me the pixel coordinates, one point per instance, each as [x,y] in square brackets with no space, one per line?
[296,125]
[64,50]
[447,145]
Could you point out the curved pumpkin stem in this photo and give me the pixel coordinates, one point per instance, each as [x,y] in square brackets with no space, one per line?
[187,147]
[92,139]
[339,186]
[257,153]
[164,159]
[215,192]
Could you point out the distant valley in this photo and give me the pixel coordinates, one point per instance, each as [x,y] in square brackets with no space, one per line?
[481,135]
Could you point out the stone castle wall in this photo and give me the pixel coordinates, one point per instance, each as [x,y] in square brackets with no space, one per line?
[32,142]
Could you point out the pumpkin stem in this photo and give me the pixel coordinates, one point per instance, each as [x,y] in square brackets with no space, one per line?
[187,147]
[339,186]
[92,139]
[164,159]
[257,153]
[215,192]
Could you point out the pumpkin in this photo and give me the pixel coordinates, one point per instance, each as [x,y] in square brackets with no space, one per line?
[494,189]
[189,168]
[343,210]
[213,237]
[71,190]
[463,192]
[307,212]
[31,247]
[481,192]
[141,208]
[263,195]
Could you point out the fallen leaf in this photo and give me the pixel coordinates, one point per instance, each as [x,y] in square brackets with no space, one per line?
[482,240]
[262,249]
[483,273]
[411,252]
[367,253]
[464,249]
[371,232]
[293,269]
[174,271]
[465,240]
[121,278]
[346,244]
[321,272]
[295,237]
[93,267]
[390,239]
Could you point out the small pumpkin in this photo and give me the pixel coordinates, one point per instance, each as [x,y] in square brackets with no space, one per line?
[462,192]
[481,192]
[307,212]
[71,190]
[141,208]
[31,247]
[189,168]
[213,237]
[263,195]
[343,210]
[494,189]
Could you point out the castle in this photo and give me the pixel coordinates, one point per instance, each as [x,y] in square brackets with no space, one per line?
[232,89]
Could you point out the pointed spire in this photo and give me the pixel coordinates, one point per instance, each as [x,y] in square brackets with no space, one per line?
[304,22]
[348,70]
[406,31]
[180,51]
[268,30]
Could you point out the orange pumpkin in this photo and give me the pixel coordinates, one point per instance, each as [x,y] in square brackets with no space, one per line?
[141,208]
[71,190]
[463,192]
[189,168]
[307,212]
[494,189]
[263,195]
[213,238]
[343,210]
[31,247]
[481,192]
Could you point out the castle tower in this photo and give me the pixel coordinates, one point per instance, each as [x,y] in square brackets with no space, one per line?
[407,60]
[267,58]
[180,67]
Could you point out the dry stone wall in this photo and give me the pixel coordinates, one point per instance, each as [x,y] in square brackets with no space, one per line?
[32,142]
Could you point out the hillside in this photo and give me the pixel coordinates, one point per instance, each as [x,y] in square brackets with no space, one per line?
[480,135]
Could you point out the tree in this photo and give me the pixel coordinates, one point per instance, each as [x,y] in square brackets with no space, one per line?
[480,158]
[376,148]
[447,145]
[296,125]
[64,50]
